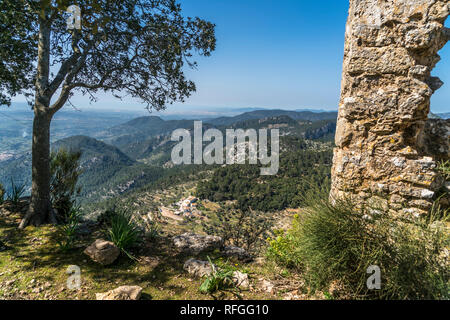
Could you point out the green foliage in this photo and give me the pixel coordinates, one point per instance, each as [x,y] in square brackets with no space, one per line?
[68,231]
[243,228]
[16,192]
[65,171]
[282,248]
[444,168]
[152,230]
[219,279]
[19,51]
[338,242]
[2,194]
[300,170]
[154,75]
[123,231]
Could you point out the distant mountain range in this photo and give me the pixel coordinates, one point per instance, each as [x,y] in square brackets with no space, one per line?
[131,154]
[444,115]
[261,114]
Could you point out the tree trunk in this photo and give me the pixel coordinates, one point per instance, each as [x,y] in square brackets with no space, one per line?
[40,210]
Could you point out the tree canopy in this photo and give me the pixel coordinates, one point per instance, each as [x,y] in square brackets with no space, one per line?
[136,48]
[133,48]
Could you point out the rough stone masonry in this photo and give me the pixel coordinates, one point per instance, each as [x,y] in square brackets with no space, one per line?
[387,148]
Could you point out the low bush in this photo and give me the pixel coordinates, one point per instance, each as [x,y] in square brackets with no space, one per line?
[247,229]
[68,230]
[219,279]
[444,169]
[282,248]
[65,171]
[338,242]
[17,191]
[123,231]
[2,194]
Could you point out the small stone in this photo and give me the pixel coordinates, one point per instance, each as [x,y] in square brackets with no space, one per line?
[121,293]
[398,162]
[10,282]
[418,70]
[427,194]
[198,268]
[291,296]
[37,290]
[241,280]
[267,286]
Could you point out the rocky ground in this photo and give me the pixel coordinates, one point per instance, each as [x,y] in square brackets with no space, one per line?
[32,266]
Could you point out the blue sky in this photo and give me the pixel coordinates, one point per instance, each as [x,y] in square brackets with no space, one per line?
[273,54]
[280,54]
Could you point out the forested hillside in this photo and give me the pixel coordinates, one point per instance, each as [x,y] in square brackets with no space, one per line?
[301,168]
[137,153]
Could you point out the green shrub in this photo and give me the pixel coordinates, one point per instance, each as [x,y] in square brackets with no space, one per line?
[219,279]
[68,230]
[104,219]
[444,169]
[2,194]
[338,242]
[152,230]
[282,248]
[243,228]
[16,192]
[65,171]
[123,231]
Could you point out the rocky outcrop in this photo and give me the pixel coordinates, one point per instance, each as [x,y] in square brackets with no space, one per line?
[386,153]
[237,253]
[198,268]
[103,252]
[121,293]
[195,243]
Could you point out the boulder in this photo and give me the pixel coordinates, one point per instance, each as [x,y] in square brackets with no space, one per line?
[241,280]
[198,268]
[103,252]
[121,293]
[195,244]
[237,253]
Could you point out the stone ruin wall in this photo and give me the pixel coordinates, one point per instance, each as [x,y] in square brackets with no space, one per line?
[386,147]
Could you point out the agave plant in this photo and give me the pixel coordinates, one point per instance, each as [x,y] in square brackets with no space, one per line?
[123,231]
[16,193]
[217,280]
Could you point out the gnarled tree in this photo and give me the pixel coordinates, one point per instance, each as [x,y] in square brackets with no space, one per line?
[136,48]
